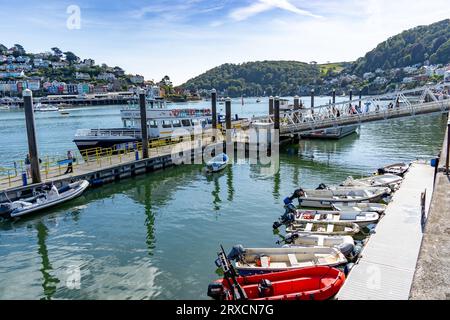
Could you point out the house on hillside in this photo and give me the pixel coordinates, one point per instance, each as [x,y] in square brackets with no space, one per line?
[82,76]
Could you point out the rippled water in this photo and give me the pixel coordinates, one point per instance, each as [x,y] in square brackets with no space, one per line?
[156,236]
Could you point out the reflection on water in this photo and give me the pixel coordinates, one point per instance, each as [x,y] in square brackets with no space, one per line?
[156,236]
[49,282]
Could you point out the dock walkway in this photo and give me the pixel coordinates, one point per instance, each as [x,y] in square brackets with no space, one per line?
[386,268]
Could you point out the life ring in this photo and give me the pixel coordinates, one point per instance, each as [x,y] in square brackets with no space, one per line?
[176,112]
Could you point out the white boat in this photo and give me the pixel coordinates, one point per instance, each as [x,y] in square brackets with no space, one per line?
[45,108]
[4,108]
[345,244]
[218,163]
[258,261]
[325,198]
[361,207]
[397,168]
[43,200]
[362,219]
[386,180]
[324,228]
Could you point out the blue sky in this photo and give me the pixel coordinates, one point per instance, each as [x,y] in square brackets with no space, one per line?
[185,38]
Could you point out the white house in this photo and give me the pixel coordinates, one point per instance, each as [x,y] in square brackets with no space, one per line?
[59,65]
[409,70]
[106,77]
[408,80]
[137,79]
[82,76]
[380,80]
[368,75]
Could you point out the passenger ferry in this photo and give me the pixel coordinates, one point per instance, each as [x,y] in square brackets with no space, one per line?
[162,123]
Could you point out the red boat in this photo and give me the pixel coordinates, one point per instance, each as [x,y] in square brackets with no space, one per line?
[314,283]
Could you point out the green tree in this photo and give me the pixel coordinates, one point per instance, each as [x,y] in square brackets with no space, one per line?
[71,57]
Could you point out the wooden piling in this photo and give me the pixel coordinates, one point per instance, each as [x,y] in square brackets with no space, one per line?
[296,103]
[31,134]
[144,128]
[312,100]
[228,113]
[214,108]
[276,118]
[270,105]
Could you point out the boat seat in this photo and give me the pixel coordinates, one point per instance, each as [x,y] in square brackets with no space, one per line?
[321,241]
[309,227]
[336,218]
[293,259]
[330,228]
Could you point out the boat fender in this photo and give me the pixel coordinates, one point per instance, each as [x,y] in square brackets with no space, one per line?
[287,201]
[346,248]
[348,267]
[265,288]
[236,253]
[357,250]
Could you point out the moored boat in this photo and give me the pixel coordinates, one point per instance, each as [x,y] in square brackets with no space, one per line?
[397,168]
[313,283]
[326,197]
[45,108]
[266,260]
[362,219]
[345,244]
[379,208]
[218,163]
[386,180]
[43,199]
[324,228]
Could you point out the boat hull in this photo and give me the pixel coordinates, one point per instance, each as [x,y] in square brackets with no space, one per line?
[331,133]
[317,283]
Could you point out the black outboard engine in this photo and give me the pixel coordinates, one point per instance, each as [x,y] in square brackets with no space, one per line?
[216,291]
[290,238]
[5,210]
[285,219]
[265,288]
[322,186]
[381,171]
[236,253]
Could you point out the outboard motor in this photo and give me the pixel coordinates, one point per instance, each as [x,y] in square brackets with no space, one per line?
[347,249]
[322,186]
[216,291]
[381,171]
[236,253]
[285,219]
[348,267]
[5,210]
[290,238]
[265,288]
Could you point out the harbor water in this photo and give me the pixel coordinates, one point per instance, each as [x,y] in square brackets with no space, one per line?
[156,236]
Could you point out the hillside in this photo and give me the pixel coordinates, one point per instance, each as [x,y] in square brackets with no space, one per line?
[410,47]
[257,78]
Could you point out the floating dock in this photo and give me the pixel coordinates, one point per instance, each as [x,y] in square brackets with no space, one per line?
[387,265]
[432,278]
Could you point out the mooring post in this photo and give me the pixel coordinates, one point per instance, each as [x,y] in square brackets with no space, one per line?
[144,128]
[360,98]
[296,103]
[334,97]
[276,116]
[214,108]
[312,100]
[270,106]
[31,134]
[228,113]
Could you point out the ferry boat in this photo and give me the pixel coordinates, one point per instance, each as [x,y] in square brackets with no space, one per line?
[162,123]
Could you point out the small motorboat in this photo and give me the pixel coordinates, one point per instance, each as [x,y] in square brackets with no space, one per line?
[45,108]
[386,180]
[314,283]
[345,244]
[43,199]
[218,163]
[266,260]
[379,208]
[326,197]
[324,228]
[362,219]
[397,168]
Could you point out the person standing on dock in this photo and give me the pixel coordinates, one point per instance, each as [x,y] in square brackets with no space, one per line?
[70,163]
[28,165]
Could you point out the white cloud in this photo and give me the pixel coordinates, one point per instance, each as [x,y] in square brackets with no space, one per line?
[244,13]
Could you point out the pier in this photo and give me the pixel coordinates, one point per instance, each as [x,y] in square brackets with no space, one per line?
[387,264]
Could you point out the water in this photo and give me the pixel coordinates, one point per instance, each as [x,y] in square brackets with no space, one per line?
[156,236]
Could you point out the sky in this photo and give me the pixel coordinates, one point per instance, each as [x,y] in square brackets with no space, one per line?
[184,38]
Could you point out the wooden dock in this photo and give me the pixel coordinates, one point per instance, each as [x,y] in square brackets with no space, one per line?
[386,268]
